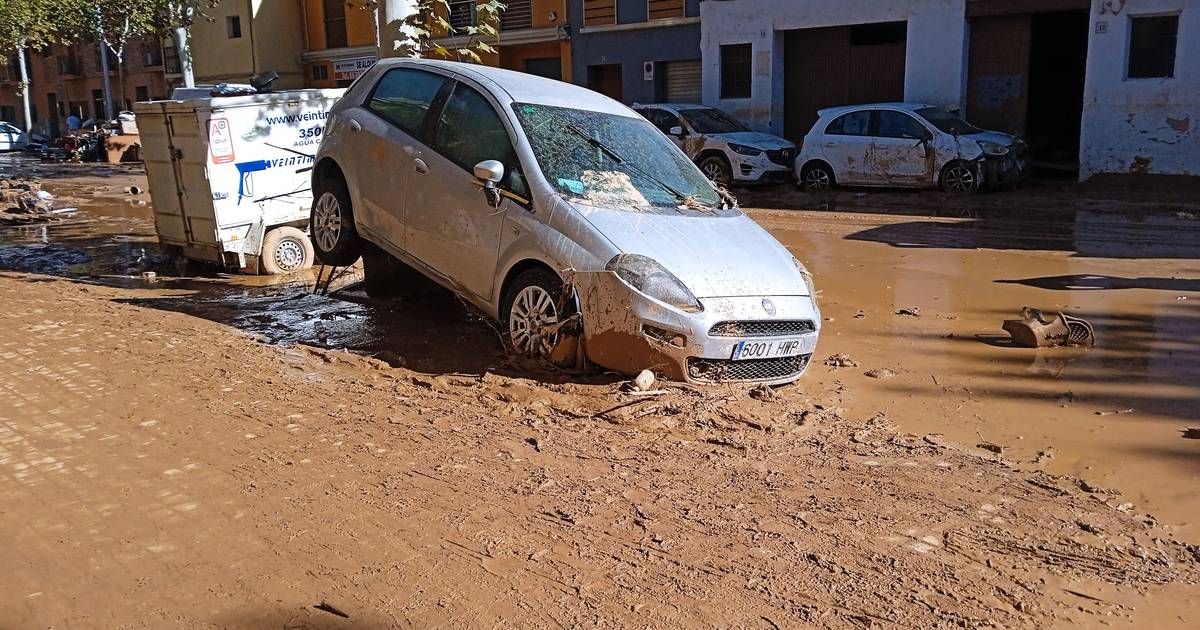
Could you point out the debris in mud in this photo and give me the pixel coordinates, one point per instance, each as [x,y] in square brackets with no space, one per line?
[991,447]
[1191,433]
[1114,412]
[764,393]
[880,373]
[25,202]
[1037,329]
[841,360]
[643,381]
[1044,455]
[910,312]
[329,608]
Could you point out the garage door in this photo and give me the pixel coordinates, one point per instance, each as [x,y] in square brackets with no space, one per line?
[840,65]
[683,81]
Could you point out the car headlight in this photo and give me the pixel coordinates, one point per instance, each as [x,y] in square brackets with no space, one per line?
[993,148]
[808,277]
[652,279]
[743,149]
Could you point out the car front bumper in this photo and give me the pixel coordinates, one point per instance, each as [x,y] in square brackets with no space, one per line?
[627,331]
[764,168]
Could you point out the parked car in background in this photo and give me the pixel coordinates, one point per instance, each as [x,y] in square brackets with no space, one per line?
[906,144]
[725,150]
[12,138]
[563,214]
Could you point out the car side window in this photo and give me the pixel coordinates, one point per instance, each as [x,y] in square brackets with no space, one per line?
[470,131]
[899,125]
[662,119]
[851,124]
[403,95]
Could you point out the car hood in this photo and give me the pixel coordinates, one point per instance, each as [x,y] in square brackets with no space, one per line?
[754,139]
[713,256]
[1002,139]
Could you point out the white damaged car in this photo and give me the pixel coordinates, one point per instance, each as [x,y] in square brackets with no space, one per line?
[906,145]
[725,150]
[564,215]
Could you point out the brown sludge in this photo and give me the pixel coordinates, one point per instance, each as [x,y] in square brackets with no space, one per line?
[182,454]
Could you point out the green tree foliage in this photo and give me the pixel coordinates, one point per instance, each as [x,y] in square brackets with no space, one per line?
[421,33]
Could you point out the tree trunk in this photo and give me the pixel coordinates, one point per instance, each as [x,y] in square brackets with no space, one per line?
[183,48]
[108,104]
[25,89]
[121,75]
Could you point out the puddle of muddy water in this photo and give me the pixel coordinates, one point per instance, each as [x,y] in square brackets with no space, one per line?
[1113,414]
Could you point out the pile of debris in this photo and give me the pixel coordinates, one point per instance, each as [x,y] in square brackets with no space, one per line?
[23,202]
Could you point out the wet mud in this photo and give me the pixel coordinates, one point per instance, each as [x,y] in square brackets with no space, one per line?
[402,426]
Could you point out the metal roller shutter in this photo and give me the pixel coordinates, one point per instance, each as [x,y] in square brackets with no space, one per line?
[683,81]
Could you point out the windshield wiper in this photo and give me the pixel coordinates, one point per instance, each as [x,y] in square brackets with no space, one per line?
[616,157]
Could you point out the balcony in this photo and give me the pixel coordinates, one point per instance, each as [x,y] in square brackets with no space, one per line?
[518,16]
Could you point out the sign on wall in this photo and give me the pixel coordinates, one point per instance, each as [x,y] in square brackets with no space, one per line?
[349,69]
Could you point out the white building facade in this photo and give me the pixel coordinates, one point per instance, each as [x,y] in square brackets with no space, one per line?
[1093,85]
[1141,109]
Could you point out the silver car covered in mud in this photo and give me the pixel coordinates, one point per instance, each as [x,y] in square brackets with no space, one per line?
[563,214]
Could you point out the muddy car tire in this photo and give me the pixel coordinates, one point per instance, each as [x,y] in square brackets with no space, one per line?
[817,177]
[286,250]
[331,222]
[531,301]
[959,177]
[717,169]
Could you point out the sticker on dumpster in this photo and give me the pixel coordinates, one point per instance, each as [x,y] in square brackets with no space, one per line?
[220,141]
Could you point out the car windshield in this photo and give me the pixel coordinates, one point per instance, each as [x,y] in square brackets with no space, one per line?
[711,121]
[619,162]
[947,122]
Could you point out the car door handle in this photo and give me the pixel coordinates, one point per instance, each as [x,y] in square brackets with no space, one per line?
[420,166]
[355,125]
[830,145]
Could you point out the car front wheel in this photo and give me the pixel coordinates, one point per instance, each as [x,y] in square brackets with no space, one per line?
[531,312]
[716,168]
[960,177]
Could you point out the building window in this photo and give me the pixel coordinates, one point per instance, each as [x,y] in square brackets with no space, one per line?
[335,23]
[141,93]
[664,9]
[462,15]
[736,70]
[599,12]
[1152,46]
[233,26]
[320,72]
[151,52]
[8,113]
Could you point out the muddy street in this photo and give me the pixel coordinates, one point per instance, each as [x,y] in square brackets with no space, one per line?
[195,449]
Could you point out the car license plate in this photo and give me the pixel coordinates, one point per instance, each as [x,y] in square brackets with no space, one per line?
[766,349]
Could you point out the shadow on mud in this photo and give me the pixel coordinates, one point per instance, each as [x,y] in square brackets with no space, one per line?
[1092,235]
[1089,282]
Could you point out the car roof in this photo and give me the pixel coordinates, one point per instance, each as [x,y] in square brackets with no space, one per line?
[674,108]
[842,109]
[521,87]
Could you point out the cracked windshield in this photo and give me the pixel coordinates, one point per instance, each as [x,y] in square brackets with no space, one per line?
[615,161]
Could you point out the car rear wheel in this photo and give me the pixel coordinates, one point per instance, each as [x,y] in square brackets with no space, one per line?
[716,168]
[286,250]
[817,176]
[531,311]
[334,237]
[960,177]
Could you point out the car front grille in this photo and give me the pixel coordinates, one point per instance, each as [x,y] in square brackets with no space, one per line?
[782,157]
[762,328]
[722,370]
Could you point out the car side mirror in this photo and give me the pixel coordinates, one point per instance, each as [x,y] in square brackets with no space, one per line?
[676,131]
[490,172]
